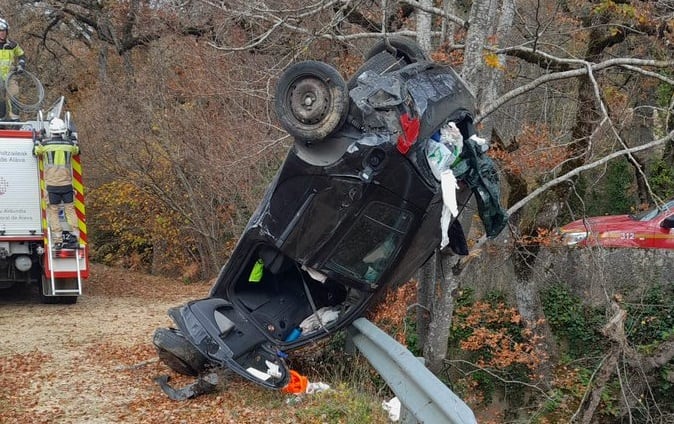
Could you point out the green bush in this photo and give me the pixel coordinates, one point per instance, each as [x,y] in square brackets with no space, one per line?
[651,320]
[573,322]
[661,179]
[611,195]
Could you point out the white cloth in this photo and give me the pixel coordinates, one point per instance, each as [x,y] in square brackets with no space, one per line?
[450,206]
[312,323]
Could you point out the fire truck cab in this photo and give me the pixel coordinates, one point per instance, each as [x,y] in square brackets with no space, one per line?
[27,254]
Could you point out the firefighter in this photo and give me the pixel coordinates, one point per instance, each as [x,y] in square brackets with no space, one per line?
[57,152]
[12,57]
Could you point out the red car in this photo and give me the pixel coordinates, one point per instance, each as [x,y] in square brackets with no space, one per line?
[650,229]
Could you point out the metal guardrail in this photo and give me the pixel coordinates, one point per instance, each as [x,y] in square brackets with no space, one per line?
[420,392]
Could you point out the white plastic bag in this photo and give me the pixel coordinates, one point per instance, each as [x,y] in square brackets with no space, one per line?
[312,323]
[393,408]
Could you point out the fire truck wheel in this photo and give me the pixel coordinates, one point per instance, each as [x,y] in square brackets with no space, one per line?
[177,353]
[56,300]
[311,100]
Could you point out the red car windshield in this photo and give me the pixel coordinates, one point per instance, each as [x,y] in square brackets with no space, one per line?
[652,213]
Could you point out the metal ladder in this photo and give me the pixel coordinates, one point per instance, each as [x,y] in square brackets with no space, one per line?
[78,254]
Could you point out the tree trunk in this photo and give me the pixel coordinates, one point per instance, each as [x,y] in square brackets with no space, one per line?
[425,290]
[442,306]
[424,26]
[436,293]
[448,28]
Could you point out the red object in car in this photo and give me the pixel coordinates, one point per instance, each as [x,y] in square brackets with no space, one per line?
[410,133]
[652,229]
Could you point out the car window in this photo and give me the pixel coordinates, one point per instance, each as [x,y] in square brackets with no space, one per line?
[371,244]
[652,213]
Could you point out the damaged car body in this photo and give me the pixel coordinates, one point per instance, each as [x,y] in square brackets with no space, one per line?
[356,207]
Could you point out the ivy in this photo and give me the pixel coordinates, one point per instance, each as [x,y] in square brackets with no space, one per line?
[573,322]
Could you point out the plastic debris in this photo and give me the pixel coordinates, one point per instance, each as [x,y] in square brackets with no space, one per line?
[294,335]
[450,207]
[315,274]
[317,387]
[484,146]
[204,384]
[257,272]
[273,370]
[451,137]
[298,383]
[444,150]
[326,315]
[393,409]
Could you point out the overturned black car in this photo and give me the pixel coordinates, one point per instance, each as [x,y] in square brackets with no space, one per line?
[356,206]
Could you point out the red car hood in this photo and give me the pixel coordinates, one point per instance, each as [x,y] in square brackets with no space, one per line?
[599,224]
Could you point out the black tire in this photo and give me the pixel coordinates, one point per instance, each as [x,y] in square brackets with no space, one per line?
[177,353]
[311,100]
[400,47]
[380,63]
[55,300]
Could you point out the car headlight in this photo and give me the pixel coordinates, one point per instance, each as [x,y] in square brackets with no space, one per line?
[570,239]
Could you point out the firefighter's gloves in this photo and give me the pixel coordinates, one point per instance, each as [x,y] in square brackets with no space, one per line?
[21,67]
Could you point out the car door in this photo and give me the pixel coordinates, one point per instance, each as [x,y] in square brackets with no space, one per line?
[663,235]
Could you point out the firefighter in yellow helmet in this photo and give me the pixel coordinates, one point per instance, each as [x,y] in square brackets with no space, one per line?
[12,57]
[57,152]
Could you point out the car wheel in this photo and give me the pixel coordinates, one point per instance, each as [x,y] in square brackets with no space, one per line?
[400,47]
[177,352]
[311,100]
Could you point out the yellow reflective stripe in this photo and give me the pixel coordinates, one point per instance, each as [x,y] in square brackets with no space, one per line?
[79,204]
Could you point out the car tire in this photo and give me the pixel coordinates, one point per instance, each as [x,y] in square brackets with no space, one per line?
[380,63]
[400,47]
[177,352]
[311,100]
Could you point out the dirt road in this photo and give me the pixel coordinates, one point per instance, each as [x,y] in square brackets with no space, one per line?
[94,362]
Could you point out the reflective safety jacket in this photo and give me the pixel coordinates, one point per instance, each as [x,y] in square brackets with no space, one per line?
[57,155]
[10,54]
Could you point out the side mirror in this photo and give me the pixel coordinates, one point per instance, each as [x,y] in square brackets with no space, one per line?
[668,222]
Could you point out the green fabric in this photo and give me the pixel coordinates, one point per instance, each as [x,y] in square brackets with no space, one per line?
[482,177]
[256,272]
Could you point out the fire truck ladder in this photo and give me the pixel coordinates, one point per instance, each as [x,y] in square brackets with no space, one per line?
[64,261]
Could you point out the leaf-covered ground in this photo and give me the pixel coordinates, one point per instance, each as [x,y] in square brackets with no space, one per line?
[94,362]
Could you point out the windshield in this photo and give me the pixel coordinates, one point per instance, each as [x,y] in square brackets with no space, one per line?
[652,213]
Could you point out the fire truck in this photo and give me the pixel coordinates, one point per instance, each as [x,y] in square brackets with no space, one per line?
[27,254]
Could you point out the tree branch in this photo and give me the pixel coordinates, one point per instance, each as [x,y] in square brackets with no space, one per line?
[556,76]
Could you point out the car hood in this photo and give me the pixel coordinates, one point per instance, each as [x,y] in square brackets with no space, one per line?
[599,223]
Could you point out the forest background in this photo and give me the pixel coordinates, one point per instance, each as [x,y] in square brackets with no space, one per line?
[173,105]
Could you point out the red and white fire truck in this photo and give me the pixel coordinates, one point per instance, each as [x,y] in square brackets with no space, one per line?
[27,255]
